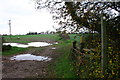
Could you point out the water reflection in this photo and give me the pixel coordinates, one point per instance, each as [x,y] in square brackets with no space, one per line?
[32,44]
[38,44]
[16,44]
[53,48]
[30,57]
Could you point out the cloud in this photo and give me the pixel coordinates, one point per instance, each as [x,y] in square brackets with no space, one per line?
[24,17]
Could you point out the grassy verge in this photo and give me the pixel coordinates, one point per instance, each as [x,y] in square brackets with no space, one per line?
[13,50]
[63,67]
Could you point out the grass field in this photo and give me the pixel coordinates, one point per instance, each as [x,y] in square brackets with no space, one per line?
[30,38]
[63,67]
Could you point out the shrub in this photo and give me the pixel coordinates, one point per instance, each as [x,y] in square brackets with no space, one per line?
[6,47]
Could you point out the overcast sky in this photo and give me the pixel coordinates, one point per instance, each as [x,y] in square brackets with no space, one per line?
[24,17]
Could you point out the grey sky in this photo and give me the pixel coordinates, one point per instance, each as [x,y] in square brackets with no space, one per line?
[24,17]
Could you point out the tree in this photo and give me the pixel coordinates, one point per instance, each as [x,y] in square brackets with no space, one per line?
[75,15]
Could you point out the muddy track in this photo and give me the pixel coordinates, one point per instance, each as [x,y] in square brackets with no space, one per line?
[28,69]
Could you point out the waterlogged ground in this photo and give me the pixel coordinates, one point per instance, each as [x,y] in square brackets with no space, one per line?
[29,68]
[26,57]
[58,67]
[31,44]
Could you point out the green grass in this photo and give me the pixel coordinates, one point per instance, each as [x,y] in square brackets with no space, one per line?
[63,66]
[13,50]
[31,38]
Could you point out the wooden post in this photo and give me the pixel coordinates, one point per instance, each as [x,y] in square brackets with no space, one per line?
[81,43]
[74,46]
[103,46]
[73,55]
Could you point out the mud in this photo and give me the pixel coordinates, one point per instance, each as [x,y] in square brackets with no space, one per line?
[28,69]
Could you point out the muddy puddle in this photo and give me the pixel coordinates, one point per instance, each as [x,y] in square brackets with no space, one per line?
[22,57]
[32,44]
[53,48]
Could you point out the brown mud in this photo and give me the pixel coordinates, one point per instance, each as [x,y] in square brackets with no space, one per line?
[29,69]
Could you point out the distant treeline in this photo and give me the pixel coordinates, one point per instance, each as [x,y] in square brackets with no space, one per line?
[52,32]
[35,33]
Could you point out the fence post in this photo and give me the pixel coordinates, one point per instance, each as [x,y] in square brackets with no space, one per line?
[103,46]
[81,44]
[74,45]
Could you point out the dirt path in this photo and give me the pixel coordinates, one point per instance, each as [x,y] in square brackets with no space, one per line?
[28,69]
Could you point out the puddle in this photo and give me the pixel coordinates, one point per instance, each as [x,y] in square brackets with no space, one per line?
[53,48]
[38,44]
[16,44]
[32,44]
[30,57]
[55,43]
